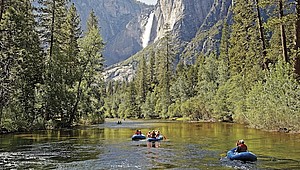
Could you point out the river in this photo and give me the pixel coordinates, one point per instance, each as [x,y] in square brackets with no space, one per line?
[109,146]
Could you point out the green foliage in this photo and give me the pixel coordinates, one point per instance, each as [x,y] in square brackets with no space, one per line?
[60,84]
[21,66]
[142,82]
[43,89]
[90,87]
[233,82]
[174,110]
[274,104]
[221,103]
[223,62]
[195,109]
[132,106]
[148,108]
[245,50]
[207,79]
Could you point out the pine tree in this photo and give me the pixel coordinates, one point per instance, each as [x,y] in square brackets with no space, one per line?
[297,39]
[9,55]
[282,31]
[192,80]
[110,88]
[133,109]
[245,51]
[166,59]
[2,8]
[281,26]
[207,79]
[52,15]
[179,88]
[90,87]
[184,84]
[220,101]
[141,80]
[244,55]
[152,77]
[261,32]
[69,64]
[148,108]
[21,64]
[92,22]
[223,69]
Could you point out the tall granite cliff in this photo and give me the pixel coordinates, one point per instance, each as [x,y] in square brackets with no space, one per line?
[119,22]
[183,16]
[208,35]
[127,26]
[196,24]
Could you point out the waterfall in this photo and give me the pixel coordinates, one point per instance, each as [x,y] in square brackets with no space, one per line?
[147,32]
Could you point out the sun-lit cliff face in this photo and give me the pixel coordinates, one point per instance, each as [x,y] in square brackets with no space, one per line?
[128,26]
[190,21]
[184,17]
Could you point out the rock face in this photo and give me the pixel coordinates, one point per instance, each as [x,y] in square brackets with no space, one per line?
[196,24]
[210,30]
[127,26]
[120,25]
[183,16]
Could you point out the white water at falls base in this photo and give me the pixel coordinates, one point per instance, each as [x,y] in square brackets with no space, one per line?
[147,32]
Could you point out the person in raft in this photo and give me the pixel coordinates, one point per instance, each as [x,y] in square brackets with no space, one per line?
[241,146]
[138,132]
[151,134]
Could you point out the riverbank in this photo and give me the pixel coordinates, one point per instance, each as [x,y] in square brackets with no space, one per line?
[120,121]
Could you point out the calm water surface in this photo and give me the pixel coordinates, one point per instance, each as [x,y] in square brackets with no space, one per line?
[109,146]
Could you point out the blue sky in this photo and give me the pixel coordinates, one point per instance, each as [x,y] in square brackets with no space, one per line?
[153,2]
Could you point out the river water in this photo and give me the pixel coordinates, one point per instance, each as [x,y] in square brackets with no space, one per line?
[109,146]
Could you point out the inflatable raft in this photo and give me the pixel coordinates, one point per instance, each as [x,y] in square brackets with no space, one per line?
[160,137]
[138,137]
[242,156]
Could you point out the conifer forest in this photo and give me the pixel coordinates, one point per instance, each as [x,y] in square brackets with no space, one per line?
[52,70]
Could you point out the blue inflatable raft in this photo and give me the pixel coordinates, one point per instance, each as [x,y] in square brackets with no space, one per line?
[242,156]
[138,137]
[160,137]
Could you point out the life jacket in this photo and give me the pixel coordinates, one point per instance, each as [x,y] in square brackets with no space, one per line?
[242,148]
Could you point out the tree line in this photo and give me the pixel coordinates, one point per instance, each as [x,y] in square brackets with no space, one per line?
[253,76]
[50,69]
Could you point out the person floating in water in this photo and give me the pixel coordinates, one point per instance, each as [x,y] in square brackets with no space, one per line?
[241,146]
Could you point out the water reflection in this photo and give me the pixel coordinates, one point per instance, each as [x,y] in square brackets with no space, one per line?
[109,146]
[153,144]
